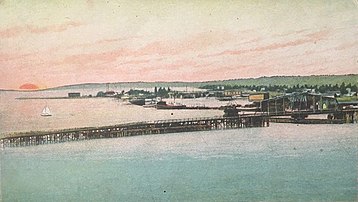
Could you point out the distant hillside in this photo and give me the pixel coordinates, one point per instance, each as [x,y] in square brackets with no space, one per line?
[275,80]
[290,80]
[127,85]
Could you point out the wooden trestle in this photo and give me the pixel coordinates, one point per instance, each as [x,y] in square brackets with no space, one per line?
[133,129]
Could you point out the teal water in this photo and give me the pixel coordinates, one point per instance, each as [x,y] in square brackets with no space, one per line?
[281,163]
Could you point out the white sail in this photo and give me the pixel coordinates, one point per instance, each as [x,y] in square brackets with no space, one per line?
[46,112]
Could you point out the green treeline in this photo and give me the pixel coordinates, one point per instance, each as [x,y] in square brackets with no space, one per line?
[343,88]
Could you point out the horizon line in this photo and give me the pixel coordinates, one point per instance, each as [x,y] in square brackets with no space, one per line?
[89,83]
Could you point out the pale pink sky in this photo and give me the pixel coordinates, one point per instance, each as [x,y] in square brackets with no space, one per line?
[53,43]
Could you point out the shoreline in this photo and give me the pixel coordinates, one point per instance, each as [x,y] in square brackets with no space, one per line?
[55,98]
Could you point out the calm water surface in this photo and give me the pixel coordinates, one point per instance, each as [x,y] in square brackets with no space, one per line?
[284,162]
[279,163]
[17,115]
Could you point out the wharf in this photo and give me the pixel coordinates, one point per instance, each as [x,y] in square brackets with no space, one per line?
[203,107]
[133,129]
[195,108]
[306,121]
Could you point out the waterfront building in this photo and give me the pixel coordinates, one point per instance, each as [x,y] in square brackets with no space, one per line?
[74,94]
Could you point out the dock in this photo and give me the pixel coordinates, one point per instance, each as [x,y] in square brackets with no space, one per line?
[133,129]
[306,121]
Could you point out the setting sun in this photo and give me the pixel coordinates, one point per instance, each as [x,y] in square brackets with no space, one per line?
[28,86]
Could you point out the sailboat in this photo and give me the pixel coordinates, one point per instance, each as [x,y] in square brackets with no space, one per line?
[46,111]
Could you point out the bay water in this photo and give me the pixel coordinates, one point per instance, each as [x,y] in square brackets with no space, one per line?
[283,162]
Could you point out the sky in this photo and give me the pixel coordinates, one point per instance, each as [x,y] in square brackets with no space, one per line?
[59,42]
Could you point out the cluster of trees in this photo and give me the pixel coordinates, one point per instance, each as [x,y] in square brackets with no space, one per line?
[137,92]
[161,92]
[343,88]
[158,92]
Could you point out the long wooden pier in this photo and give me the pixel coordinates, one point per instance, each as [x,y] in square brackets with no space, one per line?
[133,129]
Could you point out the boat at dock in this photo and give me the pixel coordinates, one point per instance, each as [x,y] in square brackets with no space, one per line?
[137,101]
[165,105]
[145,102]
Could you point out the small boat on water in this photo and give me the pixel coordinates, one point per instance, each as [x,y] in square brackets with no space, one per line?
[142,101]
[46,111]
[164,105]
[152,103]
[137,101]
